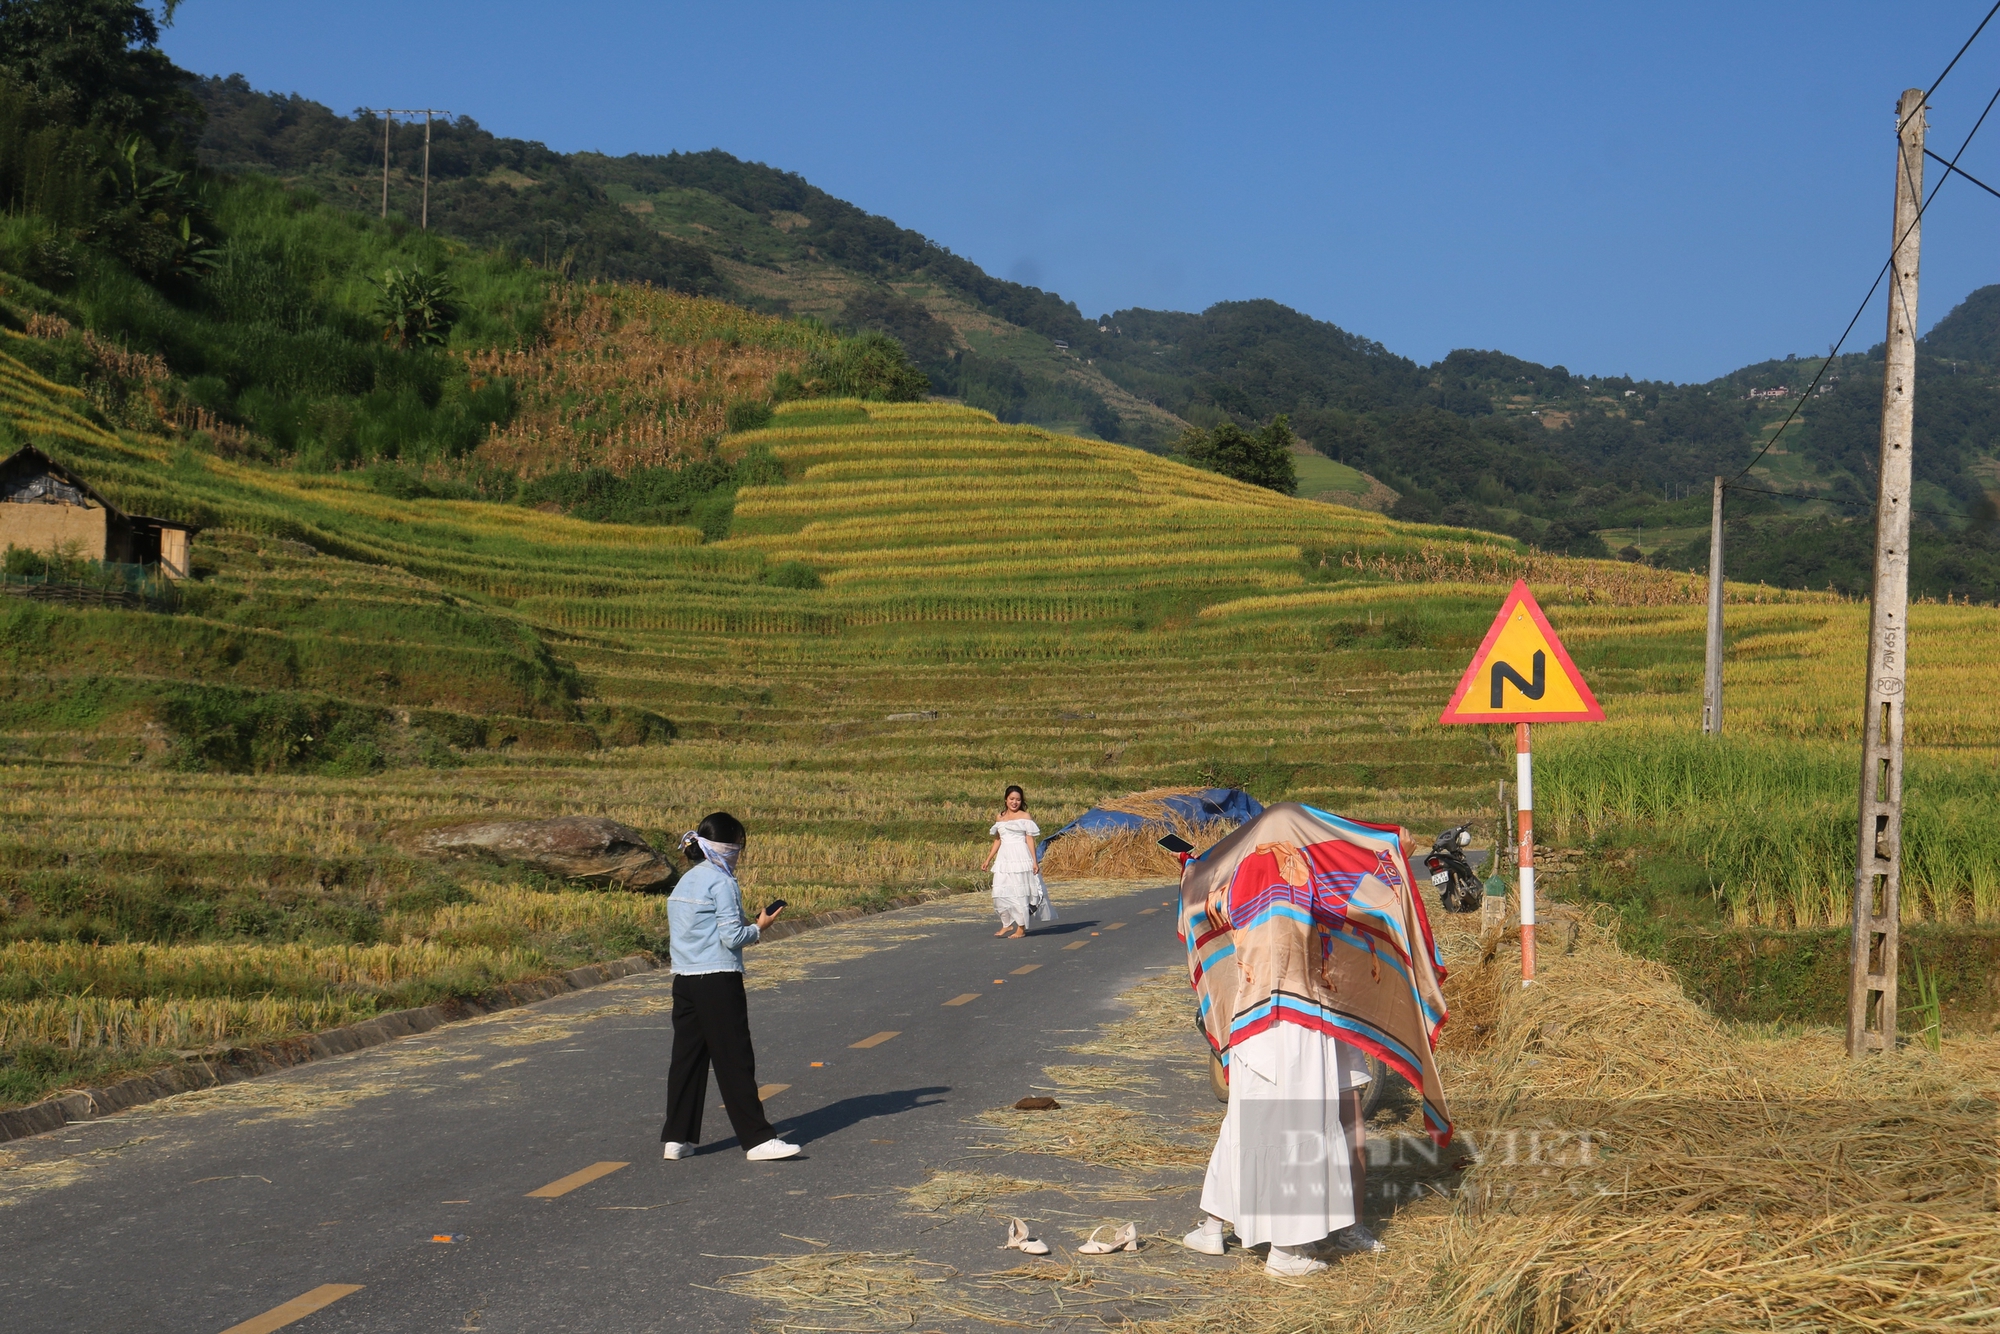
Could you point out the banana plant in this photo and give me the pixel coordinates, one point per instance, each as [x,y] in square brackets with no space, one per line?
[417,307]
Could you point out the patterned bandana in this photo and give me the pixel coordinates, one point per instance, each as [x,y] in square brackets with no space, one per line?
[724,855]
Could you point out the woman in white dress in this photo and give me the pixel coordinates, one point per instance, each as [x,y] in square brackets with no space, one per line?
[1014,864]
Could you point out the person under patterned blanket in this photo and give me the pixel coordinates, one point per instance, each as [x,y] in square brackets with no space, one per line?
[1289,923]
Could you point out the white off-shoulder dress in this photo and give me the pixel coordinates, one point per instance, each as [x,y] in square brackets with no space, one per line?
[1014,871]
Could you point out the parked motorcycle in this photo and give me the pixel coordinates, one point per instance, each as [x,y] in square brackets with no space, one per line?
[1459,890]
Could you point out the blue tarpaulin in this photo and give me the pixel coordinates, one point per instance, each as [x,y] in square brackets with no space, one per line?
[1211,803]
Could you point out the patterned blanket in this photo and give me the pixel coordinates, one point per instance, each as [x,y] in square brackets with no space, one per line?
[1304,917]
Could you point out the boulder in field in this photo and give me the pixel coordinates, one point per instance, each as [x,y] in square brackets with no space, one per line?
[576,847]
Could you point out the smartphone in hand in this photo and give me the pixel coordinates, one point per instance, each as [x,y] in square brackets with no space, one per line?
[1175,843]
[771,908]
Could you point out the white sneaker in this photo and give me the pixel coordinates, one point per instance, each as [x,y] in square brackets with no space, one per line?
[1356,1240]
[677,1150]
[771,1149]
[1207,1239]
[1286,1262]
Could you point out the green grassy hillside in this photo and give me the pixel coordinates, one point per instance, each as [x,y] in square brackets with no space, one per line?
[1589,466]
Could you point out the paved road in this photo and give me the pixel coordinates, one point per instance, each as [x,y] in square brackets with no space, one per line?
[211,1209]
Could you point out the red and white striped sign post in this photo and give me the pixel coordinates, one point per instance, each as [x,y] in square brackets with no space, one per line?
[1523,675]
[1524,786]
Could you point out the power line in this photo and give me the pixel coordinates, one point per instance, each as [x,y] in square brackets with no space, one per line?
[1951,168]
[1962,172]
[1830,500]
[1955,59]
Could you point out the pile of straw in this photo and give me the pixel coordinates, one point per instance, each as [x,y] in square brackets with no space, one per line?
[825,1290]
[958,1192]
[1731,1181]
[1101,1134]
[1132,854]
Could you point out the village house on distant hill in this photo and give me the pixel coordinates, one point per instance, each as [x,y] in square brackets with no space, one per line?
[46,507]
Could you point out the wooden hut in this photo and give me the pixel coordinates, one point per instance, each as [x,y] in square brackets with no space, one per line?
[46,507]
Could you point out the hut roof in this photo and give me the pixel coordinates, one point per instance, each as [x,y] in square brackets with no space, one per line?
[29,476]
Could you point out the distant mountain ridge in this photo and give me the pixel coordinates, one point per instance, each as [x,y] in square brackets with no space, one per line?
[1482,439]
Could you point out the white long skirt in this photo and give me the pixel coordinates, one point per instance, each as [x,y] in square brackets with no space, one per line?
[1282,1171]
[1010,897]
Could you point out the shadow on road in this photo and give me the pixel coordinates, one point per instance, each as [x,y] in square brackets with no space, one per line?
[837,1116]
[1062,928]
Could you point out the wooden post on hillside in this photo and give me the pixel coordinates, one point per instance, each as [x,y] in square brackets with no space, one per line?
[1711,677]
[424,224]
[1871,1000]
[386,116]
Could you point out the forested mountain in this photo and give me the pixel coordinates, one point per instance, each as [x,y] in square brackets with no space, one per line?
[1480,439]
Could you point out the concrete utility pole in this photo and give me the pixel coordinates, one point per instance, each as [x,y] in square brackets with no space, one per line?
[425,223]
[1711,677]
[1871,999]
[385,113]
[388,114]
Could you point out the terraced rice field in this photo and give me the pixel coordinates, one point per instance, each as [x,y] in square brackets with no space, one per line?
[1081,618]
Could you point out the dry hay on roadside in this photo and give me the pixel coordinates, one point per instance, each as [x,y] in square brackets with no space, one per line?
[1161,1022]
[1644,1167]
[1101,1079]
[533,1033]
[848,1292]
[1100,1134]
[1130,854]
[23,1174]
[1109,1134]
[861,1292]
[969,1192]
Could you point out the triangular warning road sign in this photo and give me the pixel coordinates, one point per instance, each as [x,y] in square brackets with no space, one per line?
[1522,673]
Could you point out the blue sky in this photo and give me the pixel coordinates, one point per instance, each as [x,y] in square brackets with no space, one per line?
[1663,191]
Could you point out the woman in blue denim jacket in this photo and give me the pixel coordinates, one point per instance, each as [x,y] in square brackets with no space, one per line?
[711,1015]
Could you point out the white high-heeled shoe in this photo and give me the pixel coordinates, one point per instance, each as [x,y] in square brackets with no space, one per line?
[1124,1239]
[1020,1239]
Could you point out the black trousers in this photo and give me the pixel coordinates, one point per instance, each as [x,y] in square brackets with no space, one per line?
[712,1026]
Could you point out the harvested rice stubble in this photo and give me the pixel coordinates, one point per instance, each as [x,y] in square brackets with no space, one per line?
[1642,1166]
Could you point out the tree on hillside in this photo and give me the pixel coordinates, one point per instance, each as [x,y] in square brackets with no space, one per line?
[927,339]
[1261,458]
[870,365]
[99,63]
[1574,537]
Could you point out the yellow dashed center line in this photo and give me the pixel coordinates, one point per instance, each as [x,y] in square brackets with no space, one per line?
[1144,911]
[564,1185]
[960,1000]
[877,1040]
[1114,926]
[1024,970]
[770,1090]
[1076,944]
[298,1308]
